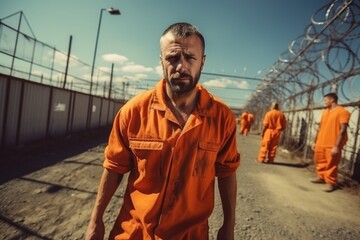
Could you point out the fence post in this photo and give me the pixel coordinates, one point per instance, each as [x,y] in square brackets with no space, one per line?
[18,128]
[67,62]
[6,111]
[111,80]
[49,112]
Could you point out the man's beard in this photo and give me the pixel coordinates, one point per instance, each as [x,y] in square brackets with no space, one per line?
[178,87]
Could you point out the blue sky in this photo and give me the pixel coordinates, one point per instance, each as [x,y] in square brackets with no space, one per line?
[243,37]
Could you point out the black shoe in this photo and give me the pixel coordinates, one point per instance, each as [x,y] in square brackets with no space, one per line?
[317,180]
[329,188]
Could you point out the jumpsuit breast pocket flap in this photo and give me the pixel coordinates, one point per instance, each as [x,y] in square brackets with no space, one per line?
[146,145]
[148,157]
[209,146]
[205,159]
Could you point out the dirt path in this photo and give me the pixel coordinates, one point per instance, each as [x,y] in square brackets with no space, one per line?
[278,201]
[52,195]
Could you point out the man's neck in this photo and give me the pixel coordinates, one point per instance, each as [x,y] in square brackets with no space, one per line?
[184,102]
[182,106]
[332,106]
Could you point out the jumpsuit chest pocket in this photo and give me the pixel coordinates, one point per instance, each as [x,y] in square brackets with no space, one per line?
[146,145]
[205,159]
[148,156]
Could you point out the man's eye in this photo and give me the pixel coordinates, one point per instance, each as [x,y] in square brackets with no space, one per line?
[172,58]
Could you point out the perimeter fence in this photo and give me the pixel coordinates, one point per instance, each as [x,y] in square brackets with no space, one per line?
[45,92]
[325,58]
[25,57]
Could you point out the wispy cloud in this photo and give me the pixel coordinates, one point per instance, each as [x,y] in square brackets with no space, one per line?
[135,77]
[115,58]
[133,70]
[136,68]
[159,70]
[60,58]
[224,82]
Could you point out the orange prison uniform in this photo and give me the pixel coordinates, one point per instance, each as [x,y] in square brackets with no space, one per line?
[170,192]
[250,120]
[330,125]
[243,122]
[274,122]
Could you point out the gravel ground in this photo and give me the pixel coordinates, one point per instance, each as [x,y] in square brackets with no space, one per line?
[48,194]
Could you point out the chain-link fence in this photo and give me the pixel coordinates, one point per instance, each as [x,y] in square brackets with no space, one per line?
[25,57]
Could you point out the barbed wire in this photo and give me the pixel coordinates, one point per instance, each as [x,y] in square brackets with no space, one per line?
[325,58]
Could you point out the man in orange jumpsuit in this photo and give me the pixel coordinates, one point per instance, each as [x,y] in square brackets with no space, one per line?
[329,141]
[250,120]
[174,140]
[243,122]
[274,122]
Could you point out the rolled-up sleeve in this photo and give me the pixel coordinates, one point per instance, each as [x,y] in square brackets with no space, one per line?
[118,156]
[228,159]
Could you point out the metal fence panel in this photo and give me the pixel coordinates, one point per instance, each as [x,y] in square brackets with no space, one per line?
[34,112]
[80,112]
[59,114]
[104,112]
[11,122]
[3,86]
[95,113]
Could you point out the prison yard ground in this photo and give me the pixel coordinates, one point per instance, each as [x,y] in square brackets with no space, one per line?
[48,190]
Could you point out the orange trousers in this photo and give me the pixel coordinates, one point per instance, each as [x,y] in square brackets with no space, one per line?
[269,144]
[247,129]
[243,127]
[326,164]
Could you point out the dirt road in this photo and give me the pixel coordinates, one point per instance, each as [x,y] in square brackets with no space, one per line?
[50,192]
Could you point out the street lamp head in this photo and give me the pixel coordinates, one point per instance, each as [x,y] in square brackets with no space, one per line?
[113,11]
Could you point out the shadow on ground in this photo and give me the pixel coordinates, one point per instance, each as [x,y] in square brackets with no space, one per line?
[19,161]
[293,165]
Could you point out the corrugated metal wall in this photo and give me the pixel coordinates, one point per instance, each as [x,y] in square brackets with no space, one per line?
[60,112]
[31,111]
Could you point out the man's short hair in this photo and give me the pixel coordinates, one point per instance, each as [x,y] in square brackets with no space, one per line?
[275,105]
[332,95]
[183,30]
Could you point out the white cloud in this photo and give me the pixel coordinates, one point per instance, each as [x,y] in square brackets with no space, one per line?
[119,79]
[136,69]
[159,70]
[224,82]
[135,77]
[60,58]
[105,69]
[215,83]
[39,73]
[115,58]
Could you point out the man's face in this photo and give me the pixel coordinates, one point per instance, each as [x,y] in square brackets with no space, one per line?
[328,101]
[182,61]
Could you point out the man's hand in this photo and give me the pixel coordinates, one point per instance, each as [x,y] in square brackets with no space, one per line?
[313,146]
[334,150]
[227,189]
[110,180]
[226,233]
[95,231]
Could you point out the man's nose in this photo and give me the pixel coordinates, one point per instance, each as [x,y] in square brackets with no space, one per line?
[179,67]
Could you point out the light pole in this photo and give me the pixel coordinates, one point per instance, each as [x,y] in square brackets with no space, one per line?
[112,11]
